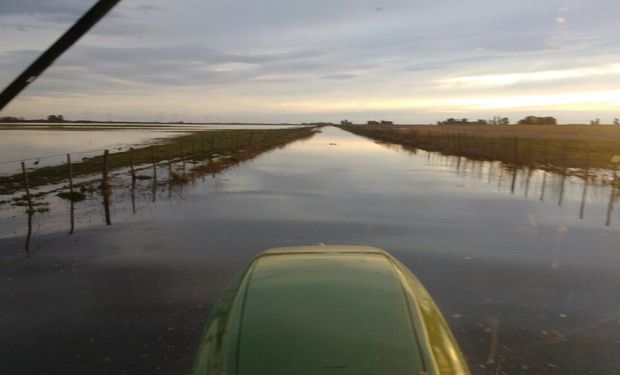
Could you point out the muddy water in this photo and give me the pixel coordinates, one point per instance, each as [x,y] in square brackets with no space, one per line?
[526,285]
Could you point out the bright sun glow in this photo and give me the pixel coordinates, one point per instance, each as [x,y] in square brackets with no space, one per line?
[596,100]
[513,78]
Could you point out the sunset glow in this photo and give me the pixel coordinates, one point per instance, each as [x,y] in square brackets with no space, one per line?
[302,62]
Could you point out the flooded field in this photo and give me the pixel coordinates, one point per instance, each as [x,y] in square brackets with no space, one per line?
[51,142]
[523,263]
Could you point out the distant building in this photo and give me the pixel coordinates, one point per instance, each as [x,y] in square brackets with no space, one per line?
[535,120]
[383,122]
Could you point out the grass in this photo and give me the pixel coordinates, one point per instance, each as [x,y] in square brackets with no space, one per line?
[547,147]
[195,146]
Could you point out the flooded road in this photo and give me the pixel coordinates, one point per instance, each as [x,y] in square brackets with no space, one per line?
[527,286]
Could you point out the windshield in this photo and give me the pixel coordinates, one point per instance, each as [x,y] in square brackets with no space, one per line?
[475,141]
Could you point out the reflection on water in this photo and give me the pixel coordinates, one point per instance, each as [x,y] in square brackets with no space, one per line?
[522,180]
[525,285]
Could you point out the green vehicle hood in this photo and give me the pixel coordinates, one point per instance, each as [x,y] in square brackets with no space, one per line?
[326,310]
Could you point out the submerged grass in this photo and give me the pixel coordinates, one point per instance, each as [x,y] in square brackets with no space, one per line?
[196,146]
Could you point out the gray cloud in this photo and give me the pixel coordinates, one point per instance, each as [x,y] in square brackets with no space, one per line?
[297,49]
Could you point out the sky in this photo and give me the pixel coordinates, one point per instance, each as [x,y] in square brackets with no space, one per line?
[409,61]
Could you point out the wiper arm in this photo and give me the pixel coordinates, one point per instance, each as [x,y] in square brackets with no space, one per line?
[81,27]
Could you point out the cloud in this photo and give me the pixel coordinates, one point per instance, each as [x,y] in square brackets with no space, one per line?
[276,51]
[339,76]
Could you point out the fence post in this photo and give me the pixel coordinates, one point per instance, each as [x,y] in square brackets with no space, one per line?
[133,171]
[184,156]
[169,179]
[104,170]
[29,234]
[70,167]
[71,215]
[154,193]
[27,188]
[515,143]
[153,161]
[610,206]
[105,188]
[544,181]
[564,170]
[586,181]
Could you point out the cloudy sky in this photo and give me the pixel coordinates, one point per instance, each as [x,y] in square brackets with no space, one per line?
[411,61]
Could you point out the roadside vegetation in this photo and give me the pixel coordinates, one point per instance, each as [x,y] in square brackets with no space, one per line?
[222,147]
[549,147]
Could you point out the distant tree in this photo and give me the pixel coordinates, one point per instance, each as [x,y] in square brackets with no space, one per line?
[504,121]
[10,119]
[373,122]
[535,120]
[55,118]
[616,121]
[595,122]
[345,122]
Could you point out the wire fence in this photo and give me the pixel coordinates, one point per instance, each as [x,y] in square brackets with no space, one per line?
[53,169]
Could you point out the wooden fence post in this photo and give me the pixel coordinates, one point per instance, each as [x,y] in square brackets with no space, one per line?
[169,179]
[610,206]
[153,161]
[154,192]
[29,234]
[131,165]
[564,170]
[72,197]
[586,181]
[104,170]
[515,143]
[544,181]
[105,188]
[184,156]
[70,167]
[27,188]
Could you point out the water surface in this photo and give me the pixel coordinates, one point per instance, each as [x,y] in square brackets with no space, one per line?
[526,285]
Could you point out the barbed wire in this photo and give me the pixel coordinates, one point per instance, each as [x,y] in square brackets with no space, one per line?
[146,144]
[68,153]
